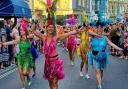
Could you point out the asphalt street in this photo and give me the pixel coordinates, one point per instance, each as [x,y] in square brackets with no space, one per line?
[115,75]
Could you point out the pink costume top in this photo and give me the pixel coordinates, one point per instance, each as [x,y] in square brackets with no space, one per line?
[53,64]
[72,43]
[50,50]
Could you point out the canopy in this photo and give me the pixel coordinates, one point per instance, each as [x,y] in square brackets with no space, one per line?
[14,8]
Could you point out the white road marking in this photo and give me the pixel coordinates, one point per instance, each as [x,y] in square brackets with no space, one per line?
[7,73]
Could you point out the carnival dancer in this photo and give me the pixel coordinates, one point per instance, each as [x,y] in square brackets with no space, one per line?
[24,57]
[84,48]
[71,46]
[65,39]
[34,51]
[53,69]
[99,56]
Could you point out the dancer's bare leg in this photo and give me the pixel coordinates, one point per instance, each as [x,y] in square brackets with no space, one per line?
[71,57]
[98,76]
[84,61]
[53,83]
[21,75]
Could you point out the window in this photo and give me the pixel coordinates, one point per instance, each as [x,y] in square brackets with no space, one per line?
[79,2]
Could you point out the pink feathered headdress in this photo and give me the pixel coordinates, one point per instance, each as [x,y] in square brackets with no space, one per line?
[24,24]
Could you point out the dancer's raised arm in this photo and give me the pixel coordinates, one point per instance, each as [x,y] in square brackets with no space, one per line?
[69,33]
[92,33]
[37,33]
[113,45]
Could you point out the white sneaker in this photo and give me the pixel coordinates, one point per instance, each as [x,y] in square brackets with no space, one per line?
[66,49]
[126,58]
[72,63]
[63,49]
[58,44]
[87,76]
[121,57]
[100,87]
[23,88]
[29,83]
[81,74]
[116,53]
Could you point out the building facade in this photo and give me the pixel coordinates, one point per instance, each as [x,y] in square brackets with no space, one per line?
[112,8]
[96,8]
[64,7]
[78,6]
[117,7]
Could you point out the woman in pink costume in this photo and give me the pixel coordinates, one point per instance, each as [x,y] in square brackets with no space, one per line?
[71,46]
[53,69]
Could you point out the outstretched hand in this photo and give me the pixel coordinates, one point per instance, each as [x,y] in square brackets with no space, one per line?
[120,49]
[4,44]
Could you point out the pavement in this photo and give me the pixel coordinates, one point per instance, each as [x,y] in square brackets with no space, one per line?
[115,75]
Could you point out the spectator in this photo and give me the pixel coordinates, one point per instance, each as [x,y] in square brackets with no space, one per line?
[4,55]
[115,36]
[125,52]
[15,51]
[107,31]
[8,28]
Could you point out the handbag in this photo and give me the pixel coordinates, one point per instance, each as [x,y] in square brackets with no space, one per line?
[34,52]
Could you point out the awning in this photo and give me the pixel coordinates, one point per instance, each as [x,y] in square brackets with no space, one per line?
[14,8]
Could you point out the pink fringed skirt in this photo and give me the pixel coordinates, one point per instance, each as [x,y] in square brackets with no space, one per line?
[54,68]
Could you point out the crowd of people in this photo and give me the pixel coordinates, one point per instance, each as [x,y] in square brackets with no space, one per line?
[21,44]
[6,53]
[117,33]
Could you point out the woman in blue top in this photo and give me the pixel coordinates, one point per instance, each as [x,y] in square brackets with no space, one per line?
[98,55]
